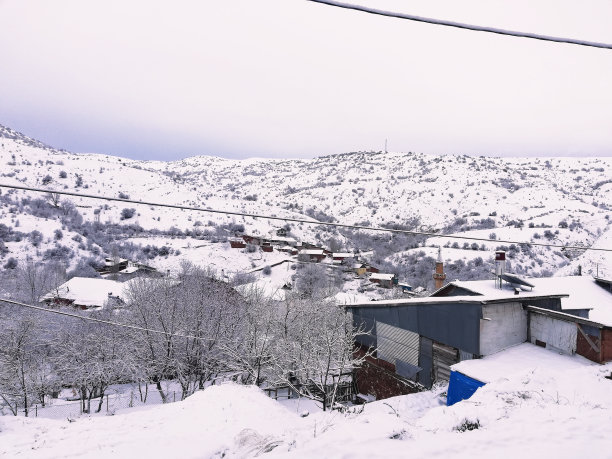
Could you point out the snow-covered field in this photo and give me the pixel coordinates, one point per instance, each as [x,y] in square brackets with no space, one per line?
[561,412]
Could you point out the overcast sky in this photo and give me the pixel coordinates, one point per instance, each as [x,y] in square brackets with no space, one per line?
[151,79]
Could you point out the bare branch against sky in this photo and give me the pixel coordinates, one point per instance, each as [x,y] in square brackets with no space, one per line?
[289,78]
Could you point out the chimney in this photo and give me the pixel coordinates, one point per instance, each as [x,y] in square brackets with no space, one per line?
[439,275]
[500,267]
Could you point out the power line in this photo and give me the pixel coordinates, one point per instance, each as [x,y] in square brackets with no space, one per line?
[300,220]
[460,25]
[106,322]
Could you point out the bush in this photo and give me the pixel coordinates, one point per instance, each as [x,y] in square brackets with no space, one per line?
[11,263]
[58,234]
[36,238]
[467,425]
[63,174]
[267,270]
[47,179]
[84,268]
[127,213]
[58,253]
[123,195]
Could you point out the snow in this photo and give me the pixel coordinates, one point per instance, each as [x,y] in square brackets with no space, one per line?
[519,359]
[382,276]
[90,292]
[558,409]
[582,291]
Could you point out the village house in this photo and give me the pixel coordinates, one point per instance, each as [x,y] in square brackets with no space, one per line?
[249,239]
[312,255]
[383,280]
[359,269]
[121,269]
[237,243]
[341,256]
[418,340]
[86,293]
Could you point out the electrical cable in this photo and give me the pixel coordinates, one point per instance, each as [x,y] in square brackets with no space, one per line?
[461,25]
[106,322]
[301,220]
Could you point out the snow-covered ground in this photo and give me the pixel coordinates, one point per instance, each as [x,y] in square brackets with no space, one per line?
[562,411]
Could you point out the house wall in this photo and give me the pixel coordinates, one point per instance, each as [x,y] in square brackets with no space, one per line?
[606,347]
[557,334]
[507,327]
[378,377]
[454,324]
[583,347]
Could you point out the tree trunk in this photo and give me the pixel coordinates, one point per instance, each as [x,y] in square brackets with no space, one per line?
[161,391]
[101,400]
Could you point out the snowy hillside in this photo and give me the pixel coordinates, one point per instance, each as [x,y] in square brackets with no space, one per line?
[553,200]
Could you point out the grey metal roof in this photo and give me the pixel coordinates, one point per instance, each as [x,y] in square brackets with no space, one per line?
[483,299]
[565,316]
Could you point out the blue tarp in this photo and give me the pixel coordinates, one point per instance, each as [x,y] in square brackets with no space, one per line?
[461,387]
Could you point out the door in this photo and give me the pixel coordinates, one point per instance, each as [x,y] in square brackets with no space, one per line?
[443,357]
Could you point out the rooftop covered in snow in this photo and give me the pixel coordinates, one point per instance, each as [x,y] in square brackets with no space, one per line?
[88,292]
[518,359]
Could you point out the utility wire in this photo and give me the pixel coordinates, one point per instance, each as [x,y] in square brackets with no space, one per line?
[101,321]
[461,25]
[301,220]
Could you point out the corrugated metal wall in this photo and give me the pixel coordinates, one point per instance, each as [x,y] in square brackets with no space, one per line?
[396,343]
[443,357]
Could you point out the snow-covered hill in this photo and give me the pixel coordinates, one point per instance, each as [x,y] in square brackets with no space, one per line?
[534,413]
[556,200]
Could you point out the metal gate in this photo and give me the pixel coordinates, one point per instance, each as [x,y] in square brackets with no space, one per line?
[443,357]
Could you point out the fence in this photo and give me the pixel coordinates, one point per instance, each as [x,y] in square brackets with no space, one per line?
[108,405]
[118,397]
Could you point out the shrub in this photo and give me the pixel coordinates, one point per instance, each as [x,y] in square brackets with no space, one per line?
[11,263]
[58,234]
[467,425]
[123,195]
[58,253]
[47,179]
[267,270]
[36,238]
[84,268]
[127,213]
[63,174]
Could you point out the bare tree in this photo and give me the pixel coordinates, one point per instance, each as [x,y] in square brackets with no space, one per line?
[197,314]
[53,199]
[91,356]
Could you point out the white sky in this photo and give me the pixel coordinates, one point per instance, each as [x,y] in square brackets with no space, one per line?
[157,79]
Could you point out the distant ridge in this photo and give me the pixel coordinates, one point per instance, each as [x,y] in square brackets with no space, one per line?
[8,133]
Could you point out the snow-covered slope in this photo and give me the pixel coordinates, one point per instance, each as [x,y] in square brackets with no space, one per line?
[556,200]
[562,412]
